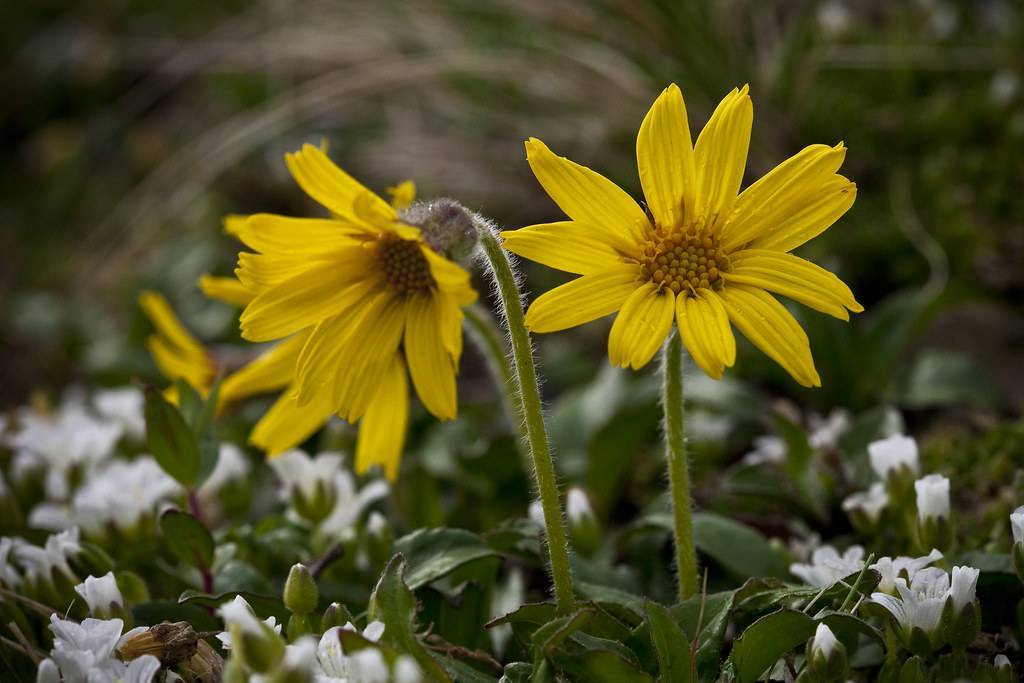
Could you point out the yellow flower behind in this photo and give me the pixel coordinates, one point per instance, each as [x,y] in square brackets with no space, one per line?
[176,352]
[703,254]
[362,301]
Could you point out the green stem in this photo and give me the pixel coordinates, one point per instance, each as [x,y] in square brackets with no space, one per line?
[488,337]
[678,467]
[529,396]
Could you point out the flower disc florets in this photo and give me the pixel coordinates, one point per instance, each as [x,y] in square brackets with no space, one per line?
[683,261]
[405,267]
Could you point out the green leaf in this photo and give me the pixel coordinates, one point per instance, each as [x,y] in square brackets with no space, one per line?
[670,643]
[737,547]
[171,442]
[766,640]
[394,604]
[461,672]
[625,606]
[517,672]
[187,538]
[262,605]
[431,554]
[947,378]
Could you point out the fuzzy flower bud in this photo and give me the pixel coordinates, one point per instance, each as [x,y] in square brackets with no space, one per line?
[447,226]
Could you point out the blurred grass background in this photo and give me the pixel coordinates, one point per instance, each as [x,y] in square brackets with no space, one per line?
[130,128]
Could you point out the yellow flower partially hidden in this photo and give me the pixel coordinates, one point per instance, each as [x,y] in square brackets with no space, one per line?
[703,254]
[176,352]
[361,299]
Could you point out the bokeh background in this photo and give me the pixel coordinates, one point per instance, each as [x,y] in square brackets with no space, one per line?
[130,128]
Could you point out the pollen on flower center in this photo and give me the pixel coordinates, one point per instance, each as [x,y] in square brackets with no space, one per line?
[682,261]
[405,267]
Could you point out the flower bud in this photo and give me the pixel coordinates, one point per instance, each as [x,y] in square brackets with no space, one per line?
[934,529]
[1003,670]
[893,455]
[253,642]
[1017,528]
[446,225]
[300,591]
[336,614]
[826,656]
[913,671]
[583,526]
[378,540]
[102,596]
[961,615]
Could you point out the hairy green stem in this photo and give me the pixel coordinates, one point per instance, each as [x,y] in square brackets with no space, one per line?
[533,417]
[678,467]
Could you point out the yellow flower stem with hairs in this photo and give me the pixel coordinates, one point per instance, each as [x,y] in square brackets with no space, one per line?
[678,467]
[537,438]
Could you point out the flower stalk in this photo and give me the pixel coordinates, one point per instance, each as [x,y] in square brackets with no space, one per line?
[529,400]
[678,467]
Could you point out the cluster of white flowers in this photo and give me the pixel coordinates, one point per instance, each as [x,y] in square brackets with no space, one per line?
[922,599]
[823,433]
[320,487]
[87,653]
[21,562]
[827,566]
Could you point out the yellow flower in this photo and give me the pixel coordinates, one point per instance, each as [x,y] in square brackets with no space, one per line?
[362,300]
[176,352]
[703,254]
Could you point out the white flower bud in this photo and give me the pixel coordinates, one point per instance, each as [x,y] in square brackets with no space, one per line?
[1017,524]
[825,642]
[892,453]
[963,585]
[407,670]
[101,594]
[1001,662]
[932,497]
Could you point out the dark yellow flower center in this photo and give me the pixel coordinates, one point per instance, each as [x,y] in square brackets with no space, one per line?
[682,261]
[405,267]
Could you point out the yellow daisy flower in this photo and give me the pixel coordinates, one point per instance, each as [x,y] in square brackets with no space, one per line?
[703,254]
[363,300]
[175,350]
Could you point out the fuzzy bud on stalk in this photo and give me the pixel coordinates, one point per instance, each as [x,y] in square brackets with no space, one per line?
[447,227]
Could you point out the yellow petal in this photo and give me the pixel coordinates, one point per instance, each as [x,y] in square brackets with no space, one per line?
[567,245]
[641,326]
[329,185]
[402,194]
[234,224]
[167,325]
[269,371]
[451,325]
[584,299]
[382,429]
[704,326]
[322,290]
[771,328]
[430,364]
[450,277]
[811,219]
[310,237]
[174,363]
[588,197]
[664,155]
[227,289]
[720,156]
[287,424]
[259,272]
[794,277]
[771,202]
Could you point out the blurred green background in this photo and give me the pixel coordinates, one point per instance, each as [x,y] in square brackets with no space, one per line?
[131,128]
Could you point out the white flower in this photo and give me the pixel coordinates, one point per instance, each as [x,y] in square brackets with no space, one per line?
[368,666]
[232,465]
[122,494]
[39,563]
[891,568]
[892,453]
[1017,524]
[963,583]
[239,613]
[9,574]
[297,470]
[767,449]
[300,658]
[536,513]
[1001,662]
[932,497]
[825,433]
[827,566]
[86,653]
[339,667]
[407,670]
[350,505]
[577,506]
[824,642]
[870,502]
[126,406]
[919,604]
[101,594]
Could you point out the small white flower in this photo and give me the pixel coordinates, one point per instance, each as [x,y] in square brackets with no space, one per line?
[577,506]
[86,651]
[767,449]
[892,453]
[125,406]
[123,494]
[297,470]
[963,583]
[919,604]
[368,666]
[407,670]
[870,502]
[1001,662]
[232,465]
[376,524]
[825,433]
[101,594]
[932,497]
[891,568]
[339,667]
[824,642]
[9,574]
[827,566]
[300,657]
[39,563]
[1017,524]
[239,613]
[351,504]
[535,512]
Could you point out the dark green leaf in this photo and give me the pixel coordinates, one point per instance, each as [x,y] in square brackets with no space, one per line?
[461,672]
[433,553]
[735,546]
[394,604]
[187,538]
[670,643]
[170,440]
[766,640]
[262,605]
